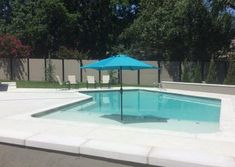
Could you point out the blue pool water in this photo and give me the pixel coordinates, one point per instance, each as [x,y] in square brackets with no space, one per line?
[145,109]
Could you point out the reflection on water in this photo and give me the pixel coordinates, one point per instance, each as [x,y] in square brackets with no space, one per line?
[145,109]
[130,119]
[144,104]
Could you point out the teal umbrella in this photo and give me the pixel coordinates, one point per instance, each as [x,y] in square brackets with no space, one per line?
[119,62]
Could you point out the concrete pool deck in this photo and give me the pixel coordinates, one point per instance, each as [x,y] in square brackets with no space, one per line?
[144,146]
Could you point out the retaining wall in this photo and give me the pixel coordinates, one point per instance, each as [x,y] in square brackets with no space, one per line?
[201,87]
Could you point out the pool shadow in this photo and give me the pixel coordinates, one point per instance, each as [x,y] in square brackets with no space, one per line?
[131,119]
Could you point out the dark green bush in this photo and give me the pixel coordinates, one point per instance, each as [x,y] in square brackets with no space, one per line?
[230,78]
[212,73]
[197,73]
[186,72]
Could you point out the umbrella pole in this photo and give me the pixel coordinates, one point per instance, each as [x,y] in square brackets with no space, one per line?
[121,91]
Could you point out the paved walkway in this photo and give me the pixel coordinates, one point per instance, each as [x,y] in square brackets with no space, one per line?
[16,106]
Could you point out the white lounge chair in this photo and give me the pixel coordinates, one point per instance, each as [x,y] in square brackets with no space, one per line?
[59,80]
[158,85]
[62,83]
[105,80]
[91,80]
[72,80]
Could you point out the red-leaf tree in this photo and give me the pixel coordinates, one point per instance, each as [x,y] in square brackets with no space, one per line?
[11,47]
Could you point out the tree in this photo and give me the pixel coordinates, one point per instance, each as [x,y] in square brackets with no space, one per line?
[11,47]
[5,15]
[186,75]
[65,52]
[230,78]
[27,23]
[221,4]
[212,72]
[181,29]
[87,26]
[197,78]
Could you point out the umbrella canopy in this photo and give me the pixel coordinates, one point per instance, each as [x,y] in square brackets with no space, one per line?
[119,62]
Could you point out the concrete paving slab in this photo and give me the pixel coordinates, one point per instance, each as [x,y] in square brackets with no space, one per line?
[120,151]
[14,137]
[183,158]
[114,142]
[58,143]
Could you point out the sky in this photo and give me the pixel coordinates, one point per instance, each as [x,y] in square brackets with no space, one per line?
[232,11]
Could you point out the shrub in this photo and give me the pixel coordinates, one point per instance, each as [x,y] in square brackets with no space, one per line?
[212,73]
[11,47]
[186,76]
[197,73]
[230,77]
[49,71]
[65,52]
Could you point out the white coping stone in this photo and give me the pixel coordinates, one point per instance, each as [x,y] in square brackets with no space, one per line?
[11,85]
[118,151]
[55,142]
[183,158]
[198,84]
[14,137]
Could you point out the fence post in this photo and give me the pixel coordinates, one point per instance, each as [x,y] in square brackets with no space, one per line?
[11,68]
[138,76]
[202,71]
[159,71]
[99,76]
[119,77]
[62,69]
[28,69]
[45,68]
[81,74]
[180,71]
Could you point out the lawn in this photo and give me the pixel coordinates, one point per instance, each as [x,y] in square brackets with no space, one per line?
[45,84]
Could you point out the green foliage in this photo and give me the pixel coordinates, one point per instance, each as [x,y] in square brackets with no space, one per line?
[64,52]
[120,48]
[212,73]
[186,75]
[45,84]
[46,25]
[197,78]
[181,29]
[49,71]
[191,72]
[174,29]
[230,78]
[11,47]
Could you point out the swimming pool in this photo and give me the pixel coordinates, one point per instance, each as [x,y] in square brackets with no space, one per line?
[144,109]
